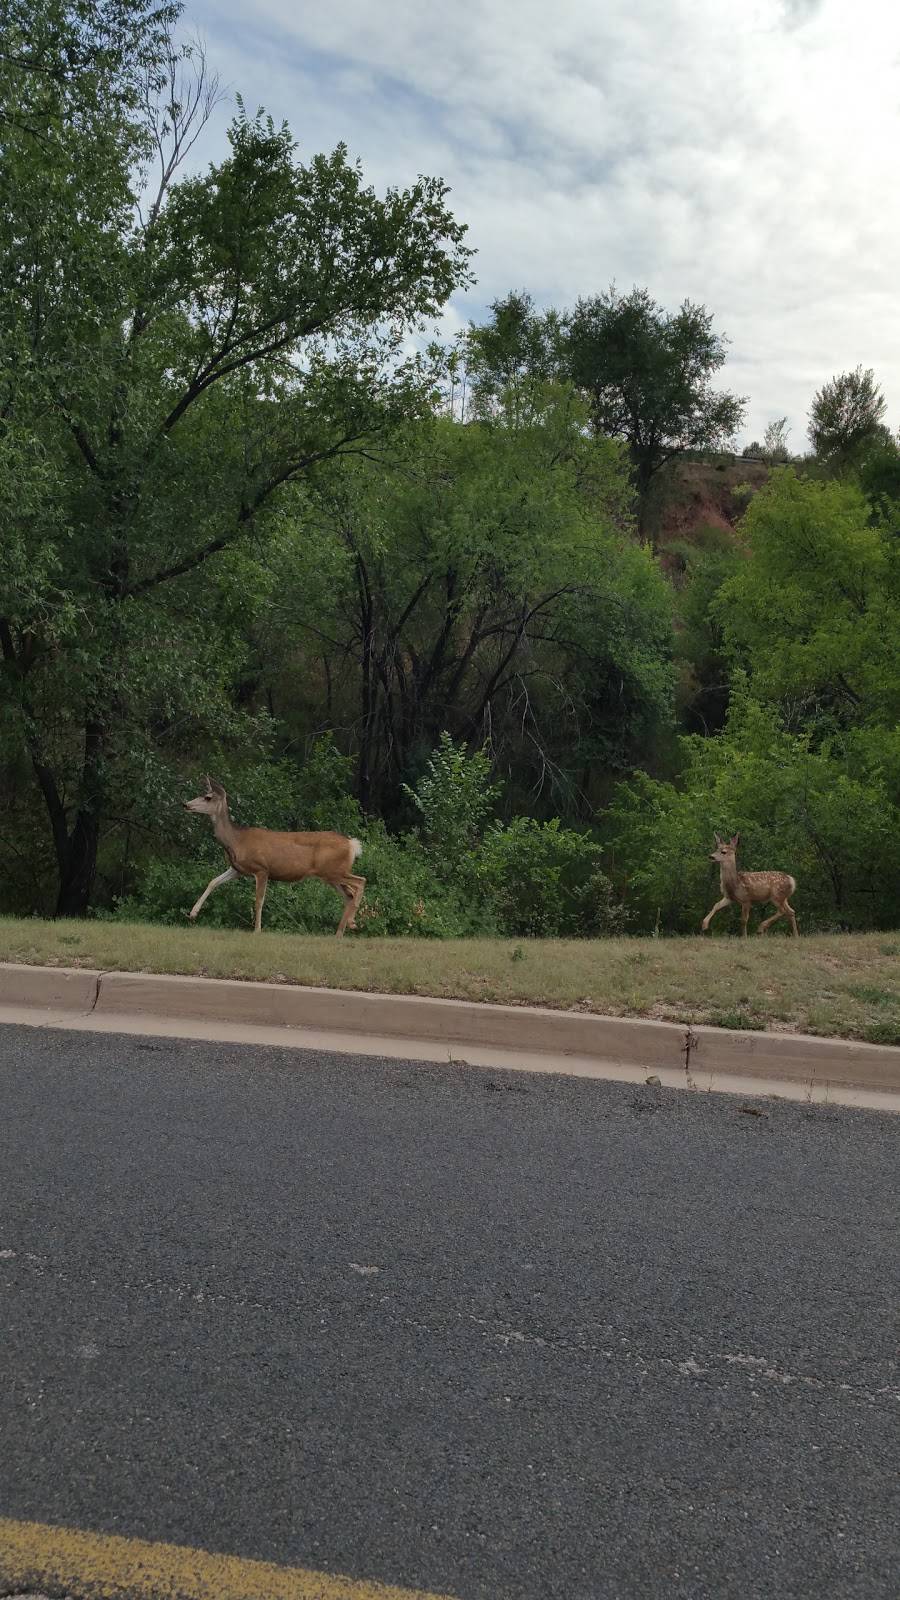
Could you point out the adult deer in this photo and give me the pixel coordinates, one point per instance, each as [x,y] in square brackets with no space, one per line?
[262,854]
[746,889]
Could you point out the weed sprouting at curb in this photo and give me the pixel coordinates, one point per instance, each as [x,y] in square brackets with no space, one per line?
[690,1044]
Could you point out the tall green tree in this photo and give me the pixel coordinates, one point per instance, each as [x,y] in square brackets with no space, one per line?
[845,419]
[813,612]
[649,376]
[775,445]
[178,352]
[512,358]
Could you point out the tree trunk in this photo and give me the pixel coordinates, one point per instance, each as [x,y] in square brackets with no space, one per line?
[76,852]
[78,869]
[367,728]
[644,475]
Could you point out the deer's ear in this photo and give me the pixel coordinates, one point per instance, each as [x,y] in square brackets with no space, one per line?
[736,840]
[717,839]
[215,788]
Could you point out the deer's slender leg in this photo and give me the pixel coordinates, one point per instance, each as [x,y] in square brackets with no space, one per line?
[790,912]
[224,877]
[348,907]
[262,883]
[344,889]
[719,906]
[357,887]
[745,916]
[351,887]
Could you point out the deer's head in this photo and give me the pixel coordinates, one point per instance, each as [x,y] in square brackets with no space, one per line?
[725,850]
[210,804]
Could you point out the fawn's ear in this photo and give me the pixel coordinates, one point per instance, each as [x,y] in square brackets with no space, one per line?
[717,839]
[736,841]
[216,789]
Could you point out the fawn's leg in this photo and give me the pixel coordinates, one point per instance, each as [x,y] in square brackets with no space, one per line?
[745,917]
[262,884]
[769,920]
[719,906]
[224,877]
[789,912]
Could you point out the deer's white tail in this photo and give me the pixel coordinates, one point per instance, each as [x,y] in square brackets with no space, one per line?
[355,849]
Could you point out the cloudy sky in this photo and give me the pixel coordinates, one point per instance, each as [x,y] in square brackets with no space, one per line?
[743,153]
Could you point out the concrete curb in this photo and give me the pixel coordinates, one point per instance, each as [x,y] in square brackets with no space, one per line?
[617,1042]
[51,988]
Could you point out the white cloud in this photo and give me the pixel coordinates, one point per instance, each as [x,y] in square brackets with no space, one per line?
[738,152]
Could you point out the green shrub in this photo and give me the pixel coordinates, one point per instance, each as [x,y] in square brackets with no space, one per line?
[544,881]
[454,798]
[323,791]
[404,894]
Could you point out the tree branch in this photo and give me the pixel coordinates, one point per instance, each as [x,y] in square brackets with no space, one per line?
[179,569]
[189,101]
[219,366]
[410,606]
[84,445]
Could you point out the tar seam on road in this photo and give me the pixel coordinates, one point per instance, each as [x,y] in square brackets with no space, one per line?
[112,1568]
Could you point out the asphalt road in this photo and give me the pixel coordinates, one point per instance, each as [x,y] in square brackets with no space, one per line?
[501,1336]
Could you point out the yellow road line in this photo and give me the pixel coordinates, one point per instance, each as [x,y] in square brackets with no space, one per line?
[103,1566]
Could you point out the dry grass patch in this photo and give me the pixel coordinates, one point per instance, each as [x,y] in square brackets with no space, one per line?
[845,985]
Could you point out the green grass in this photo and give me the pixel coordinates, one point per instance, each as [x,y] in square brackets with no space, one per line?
[840,985]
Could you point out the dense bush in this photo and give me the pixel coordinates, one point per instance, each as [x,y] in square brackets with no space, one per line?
[526,878]
[823,810]
[544,880]
[405,895]
[453,799]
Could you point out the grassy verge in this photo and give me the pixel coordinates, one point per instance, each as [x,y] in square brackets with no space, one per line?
[840,985]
